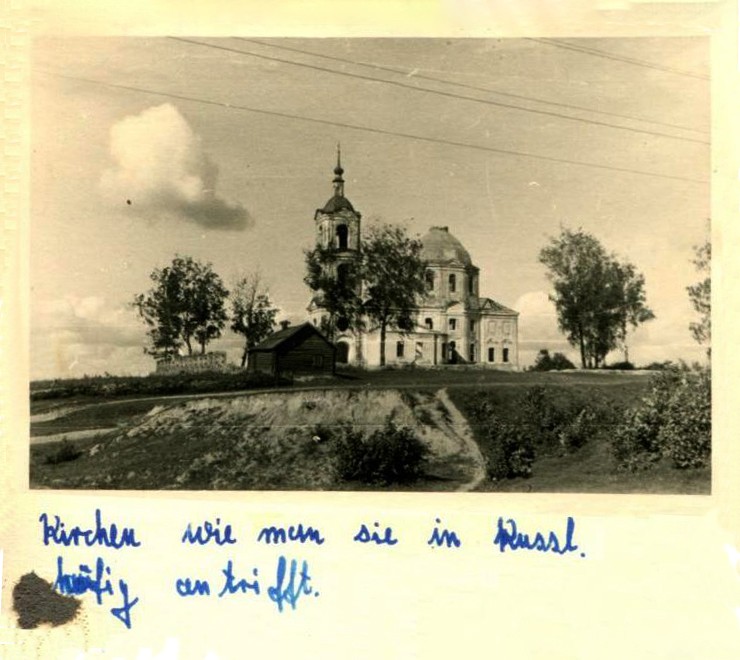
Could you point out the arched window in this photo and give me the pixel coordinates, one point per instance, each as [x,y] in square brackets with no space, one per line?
[453,282]
[342,236]
[471,284]
[428,323]
[429,279]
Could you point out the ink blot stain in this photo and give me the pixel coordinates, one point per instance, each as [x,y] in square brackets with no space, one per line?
[128,201]
[35,602]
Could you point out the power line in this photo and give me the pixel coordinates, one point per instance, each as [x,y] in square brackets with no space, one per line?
[436,92]
[369,129]
[619,58]
[522,97]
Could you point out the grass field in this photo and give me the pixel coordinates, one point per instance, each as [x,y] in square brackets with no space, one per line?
[199,447]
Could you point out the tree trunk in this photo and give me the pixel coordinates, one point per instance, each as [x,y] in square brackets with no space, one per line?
[583,349]
[382,343]
[187,343]
[244,355]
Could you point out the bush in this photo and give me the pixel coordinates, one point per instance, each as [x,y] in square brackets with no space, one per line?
[621,366]
[511,452]
[540,416]
[556,362]
[673,421]
[391,455]
[579,429]
[65,452]
[686,435]
[659,366]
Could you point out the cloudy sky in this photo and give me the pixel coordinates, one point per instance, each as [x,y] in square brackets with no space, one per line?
[223,149]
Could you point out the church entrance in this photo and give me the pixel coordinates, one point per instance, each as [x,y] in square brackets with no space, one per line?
[342,352]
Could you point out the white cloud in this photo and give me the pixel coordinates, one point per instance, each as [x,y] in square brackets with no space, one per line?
[162,171]
[74,336]
[537,318]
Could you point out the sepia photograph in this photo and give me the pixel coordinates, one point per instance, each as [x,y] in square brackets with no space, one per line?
[370,264]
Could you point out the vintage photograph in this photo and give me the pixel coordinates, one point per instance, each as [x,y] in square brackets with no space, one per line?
[371,264]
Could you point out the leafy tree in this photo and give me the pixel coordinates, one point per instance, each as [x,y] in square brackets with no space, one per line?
[336,284]
[597,298]
[634,310]
[393,274]
[186,305]
[252,313]
[700,295]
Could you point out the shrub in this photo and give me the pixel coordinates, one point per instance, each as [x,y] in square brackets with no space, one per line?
[391,455]
[686,435]
[672,421]
[540,416]
[511,452]
[66,451]
[580,428]
[546,362]
[621,366]
[659,366]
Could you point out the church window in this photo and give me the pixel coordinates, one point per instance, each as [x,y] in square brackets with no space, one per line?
[428,323]
[506,355]
[453,324]
[342,236]
[491,354]
[472,352]
[429,280]
[342,323]
[453,282]
[399,349]
[471,285]
[472,327]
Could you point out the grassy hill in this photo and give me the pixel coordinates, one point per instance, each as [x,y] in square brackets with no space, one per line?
[288,439]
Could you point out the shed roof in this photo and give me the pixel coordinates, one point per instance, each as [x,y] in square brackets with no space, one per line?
[283,337]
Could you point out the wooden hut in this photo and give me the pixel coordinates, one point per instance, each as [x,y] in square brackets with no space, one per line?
[299,349]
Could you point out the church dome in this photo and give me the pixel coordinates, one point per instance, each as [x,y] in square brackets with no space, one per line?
[337,203]
[439,246]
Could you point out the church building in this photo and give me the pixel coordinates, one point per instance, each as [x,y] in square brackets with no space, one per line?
[454,325]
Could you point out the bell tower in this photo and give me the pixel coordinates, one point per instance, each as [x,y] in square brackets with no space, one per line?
[337,223]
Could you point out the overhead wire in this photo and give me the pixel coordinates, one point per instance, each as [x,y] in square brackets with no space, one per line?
[437,92]
[370,129]
[619,58]
[416,74]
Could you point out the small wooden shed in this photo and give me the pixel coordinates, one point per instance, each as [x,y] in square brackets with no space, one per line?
[299,349]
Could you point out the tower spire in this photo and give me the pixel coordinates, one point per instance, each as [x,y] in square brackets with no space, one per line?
[338,171]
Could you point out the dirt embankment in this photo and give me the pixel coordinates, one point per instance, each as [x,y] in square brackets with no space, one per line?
[266,441]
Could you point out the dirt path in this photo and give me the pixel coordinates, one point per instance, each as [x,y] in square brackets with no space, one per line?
[470,450]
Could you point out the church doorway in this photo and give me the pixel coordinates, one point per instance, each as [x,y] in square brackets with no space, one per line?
[342,352]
